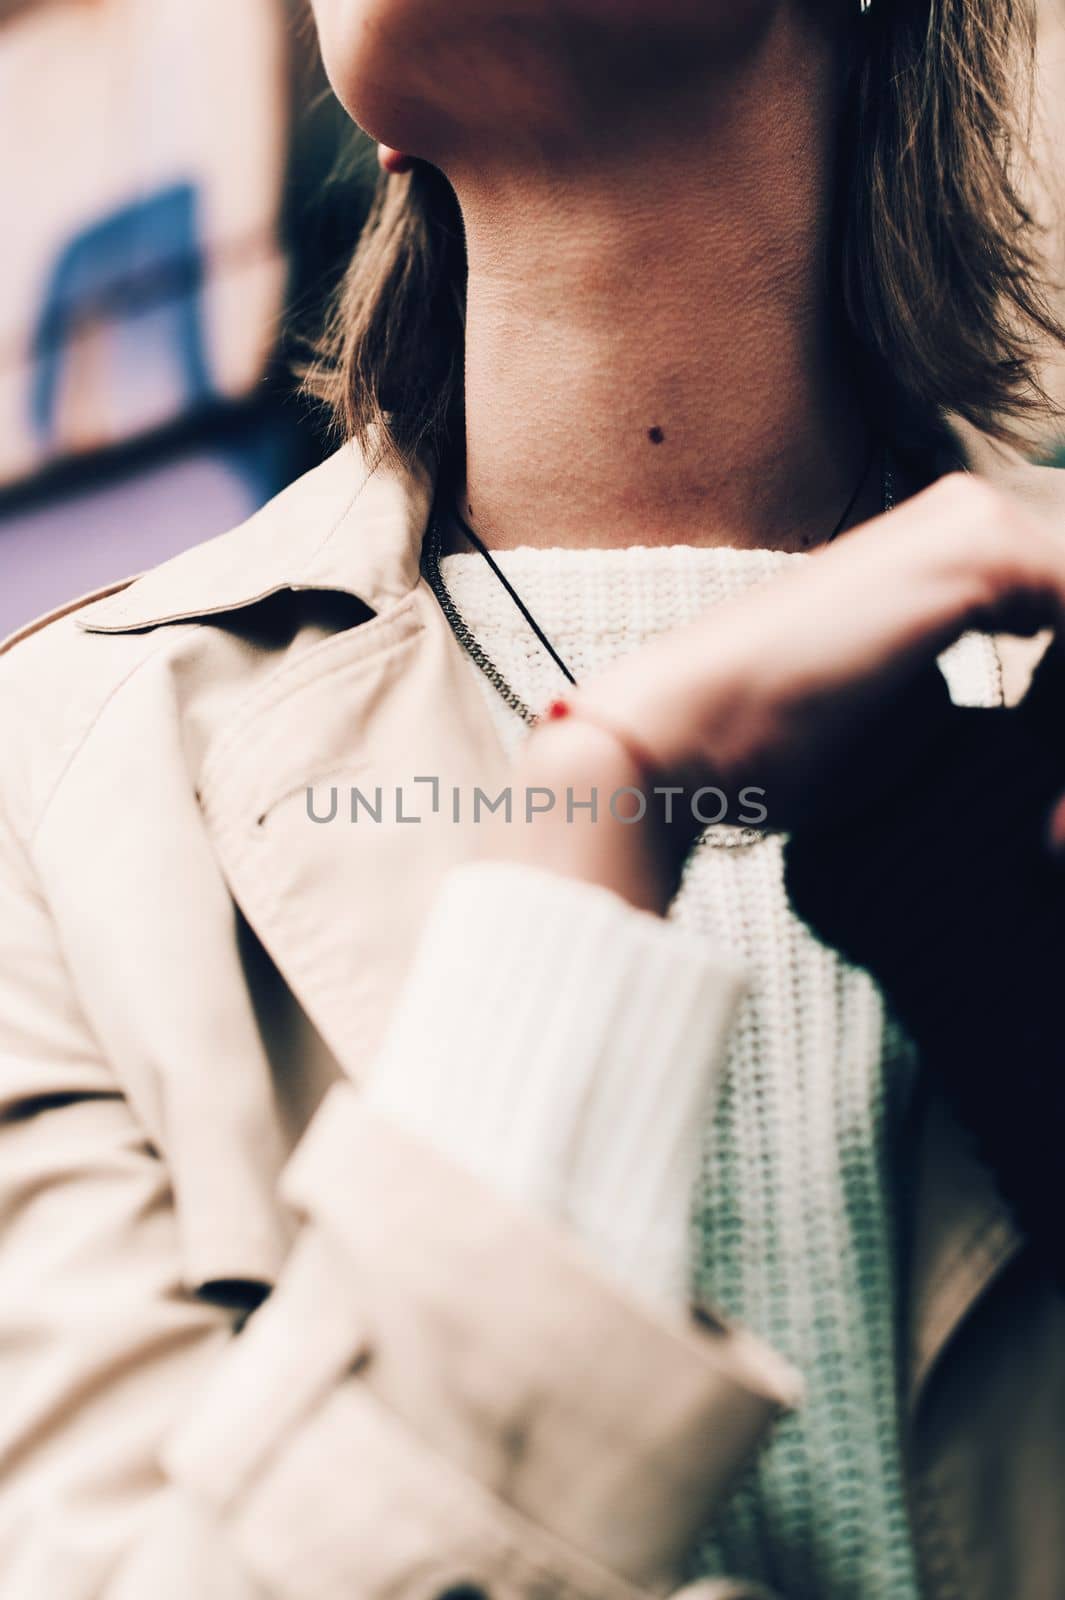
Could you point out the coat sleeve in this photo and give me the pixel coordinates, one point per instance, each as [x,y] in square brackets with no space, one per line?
[440,1395]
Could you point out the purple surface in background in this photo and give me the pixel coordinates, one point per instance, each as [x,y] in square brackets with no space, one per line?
[55,551]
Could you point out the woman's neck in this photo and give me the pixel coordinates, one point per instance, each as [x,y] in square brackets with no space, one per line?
[650,340]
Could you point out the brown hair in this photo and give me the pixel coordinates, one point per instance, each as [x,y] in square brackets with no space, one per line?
[936,250]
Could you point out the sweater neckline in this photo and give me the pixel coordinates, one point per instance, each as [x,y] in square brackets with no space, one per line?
[759,556]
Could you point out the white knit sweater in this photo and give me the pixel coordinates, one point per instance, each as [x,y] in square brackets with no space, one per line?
[709,1102]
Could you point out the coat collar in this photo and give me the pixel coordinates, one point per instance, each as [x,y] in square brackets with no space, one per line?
[347,526]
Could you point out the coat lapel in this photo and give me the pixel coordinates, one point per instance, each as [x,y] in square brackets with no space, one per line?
[320,802]
[963,1237]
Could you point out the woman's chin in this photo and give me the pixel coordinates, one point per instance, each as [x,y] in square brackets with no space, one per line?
[407,70]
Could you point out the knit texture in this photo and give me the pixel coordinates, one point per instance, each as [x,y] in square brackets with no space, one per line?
[795,1214]
[566,1049]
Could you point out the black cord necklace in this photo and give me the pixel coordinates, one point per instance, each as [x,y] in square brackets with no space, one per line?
[887,477]
[431,553]
[483,551]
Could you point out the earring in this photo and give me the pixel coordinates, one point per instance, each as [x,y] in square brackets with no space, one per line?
[393,161]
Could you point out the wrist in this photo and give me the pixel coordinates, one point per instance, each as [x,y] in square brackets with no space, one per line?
[583,808]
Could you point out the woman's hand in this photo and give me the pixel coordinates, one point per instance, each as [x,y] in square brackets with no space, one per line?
[778,689]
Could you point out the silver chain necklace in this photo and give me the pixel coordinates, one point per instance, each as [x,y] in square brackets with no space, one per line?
[723,834]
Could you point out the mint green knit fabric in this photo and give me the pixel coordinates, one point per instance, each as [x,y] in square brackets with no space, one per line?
[795,1229]
[796,1236]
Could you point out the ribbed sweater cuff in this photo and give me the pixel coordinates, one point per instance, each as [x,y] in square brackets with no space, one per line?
[565,1048]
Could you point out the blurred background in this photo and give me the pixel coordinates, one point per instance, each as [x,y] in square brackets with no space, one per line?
[180,195]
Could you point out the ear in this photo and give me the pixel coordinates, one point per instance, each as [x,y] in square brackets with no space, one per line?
[393,161]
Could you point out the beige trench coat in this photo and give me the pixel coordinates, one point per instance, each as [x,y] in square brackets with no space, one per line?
[438,1391]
